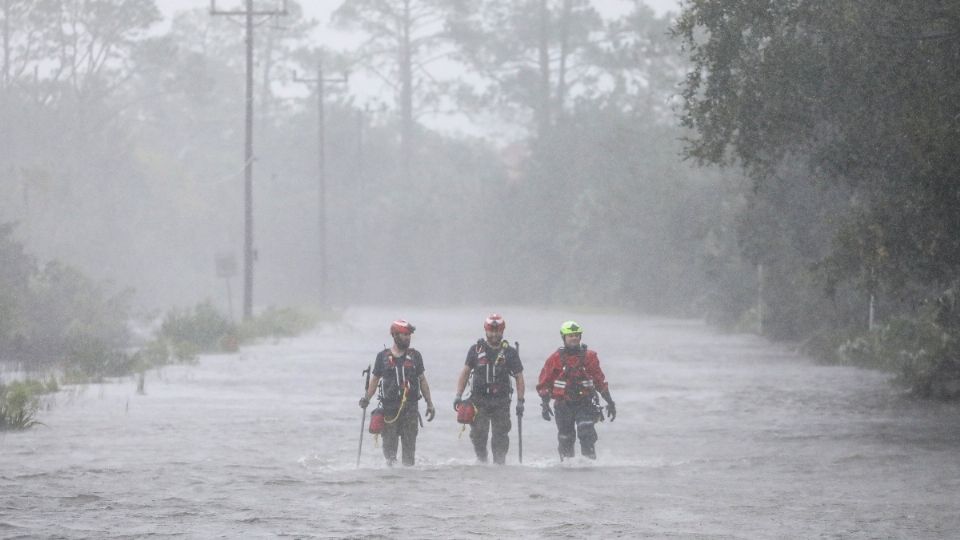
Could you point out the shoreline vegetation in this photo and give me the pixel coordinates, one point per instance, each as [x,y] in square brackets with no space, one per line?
[182,335]
[60,327]
[93,344]
[787,171]
[84,336]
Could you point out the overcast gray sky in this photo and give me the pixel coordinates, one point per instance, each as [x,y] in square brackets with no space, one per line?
[321,8]
[369,91]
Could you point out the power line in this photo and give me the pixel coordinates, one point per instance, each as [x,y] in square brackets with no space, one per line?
[248,251]
[321,82]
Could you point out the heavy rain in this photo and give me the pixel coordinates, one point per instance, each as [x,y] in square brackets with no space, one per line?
[690,266]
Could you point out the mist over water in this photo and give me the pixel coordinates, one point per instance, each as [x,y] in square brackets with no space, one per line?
[717,436]
[124,153]
[131,167]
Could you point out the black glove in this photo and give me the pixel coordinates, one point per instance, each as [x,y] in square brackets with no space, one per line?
[364,402]
[456,404]
[612,411]
[519,407]
[545,411]
[431,412]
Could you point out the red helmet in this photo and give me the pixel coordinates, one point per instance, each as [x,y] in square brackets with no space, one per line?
[401,326]
[494,322]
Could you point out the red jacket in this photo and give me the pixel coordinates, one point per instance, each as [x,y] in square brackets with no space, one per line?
[568,375]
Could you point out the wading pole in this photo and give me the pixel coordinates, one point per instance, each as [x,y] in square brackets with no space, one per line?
[519,418]
[520,436]
[363,420]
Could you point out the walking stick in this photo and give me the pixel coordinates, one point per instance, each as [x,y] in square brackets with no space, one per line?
[520,436]
[519,418]
[363,420]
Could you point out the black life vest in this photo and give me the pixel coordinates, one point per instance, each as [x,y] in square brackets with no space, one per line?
[574,382]
[399,374]
[491,377]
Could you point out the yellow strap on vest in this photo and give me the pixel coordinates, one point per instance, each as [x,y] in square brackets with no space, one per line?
[402,403]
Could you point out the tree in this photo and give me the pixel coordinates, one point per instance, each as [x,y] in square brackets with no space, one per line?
[80,47]
[47,310]
[841,86]
[16,268]
[638,65]
[864,95]
[403,38]
[605,207]
[530,55]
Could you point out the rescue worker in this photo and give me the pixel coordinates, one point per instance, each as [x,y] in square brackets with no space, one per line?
[491,361]
[573,378]
[398,372]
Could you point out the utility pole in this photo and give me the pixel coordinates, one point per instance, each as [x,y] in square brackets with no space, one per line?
[248,251]
[6,44]
[361,118]
[760,299]
[321,82]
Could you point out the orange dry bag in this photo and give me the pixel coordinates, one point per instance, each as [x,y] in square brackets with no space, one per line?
[376,421]
[465,413]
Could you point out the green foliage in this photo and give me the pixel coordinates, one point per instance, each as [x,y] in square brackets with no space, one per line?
[16,267]
[843,114]
[278,322]
[186,333]
[71,318]
[533,55]
[92,359]
[20,402]
[920,350]
[857,89]
[154,353]
[51,385]
[195,330]
[612,217]
[56,314]
[69,311]
[93,362]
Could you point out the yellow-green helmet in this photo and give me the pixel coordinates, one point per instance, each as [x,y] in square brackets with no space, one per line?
[570,327]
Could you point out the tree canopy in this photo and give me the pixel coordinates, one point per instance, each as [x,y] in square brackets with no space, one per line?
[858,99]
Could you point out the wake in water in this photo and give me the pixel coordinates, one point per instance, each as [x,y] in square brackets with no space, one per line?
[316,463]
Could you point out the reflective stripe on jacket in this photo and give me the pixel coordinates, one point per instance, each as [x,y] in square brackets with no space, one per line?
[570,375]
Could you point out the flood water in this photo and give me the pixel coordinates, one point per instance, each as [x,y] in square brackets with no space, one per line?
[718,436]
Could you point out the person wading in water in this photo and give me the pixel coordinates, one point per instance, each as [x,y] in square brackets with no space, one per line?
[573,378]
[492,362]
[398,373]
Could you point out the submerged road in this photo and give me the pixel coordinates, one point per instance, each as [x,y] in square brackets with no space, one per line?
[717,436]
